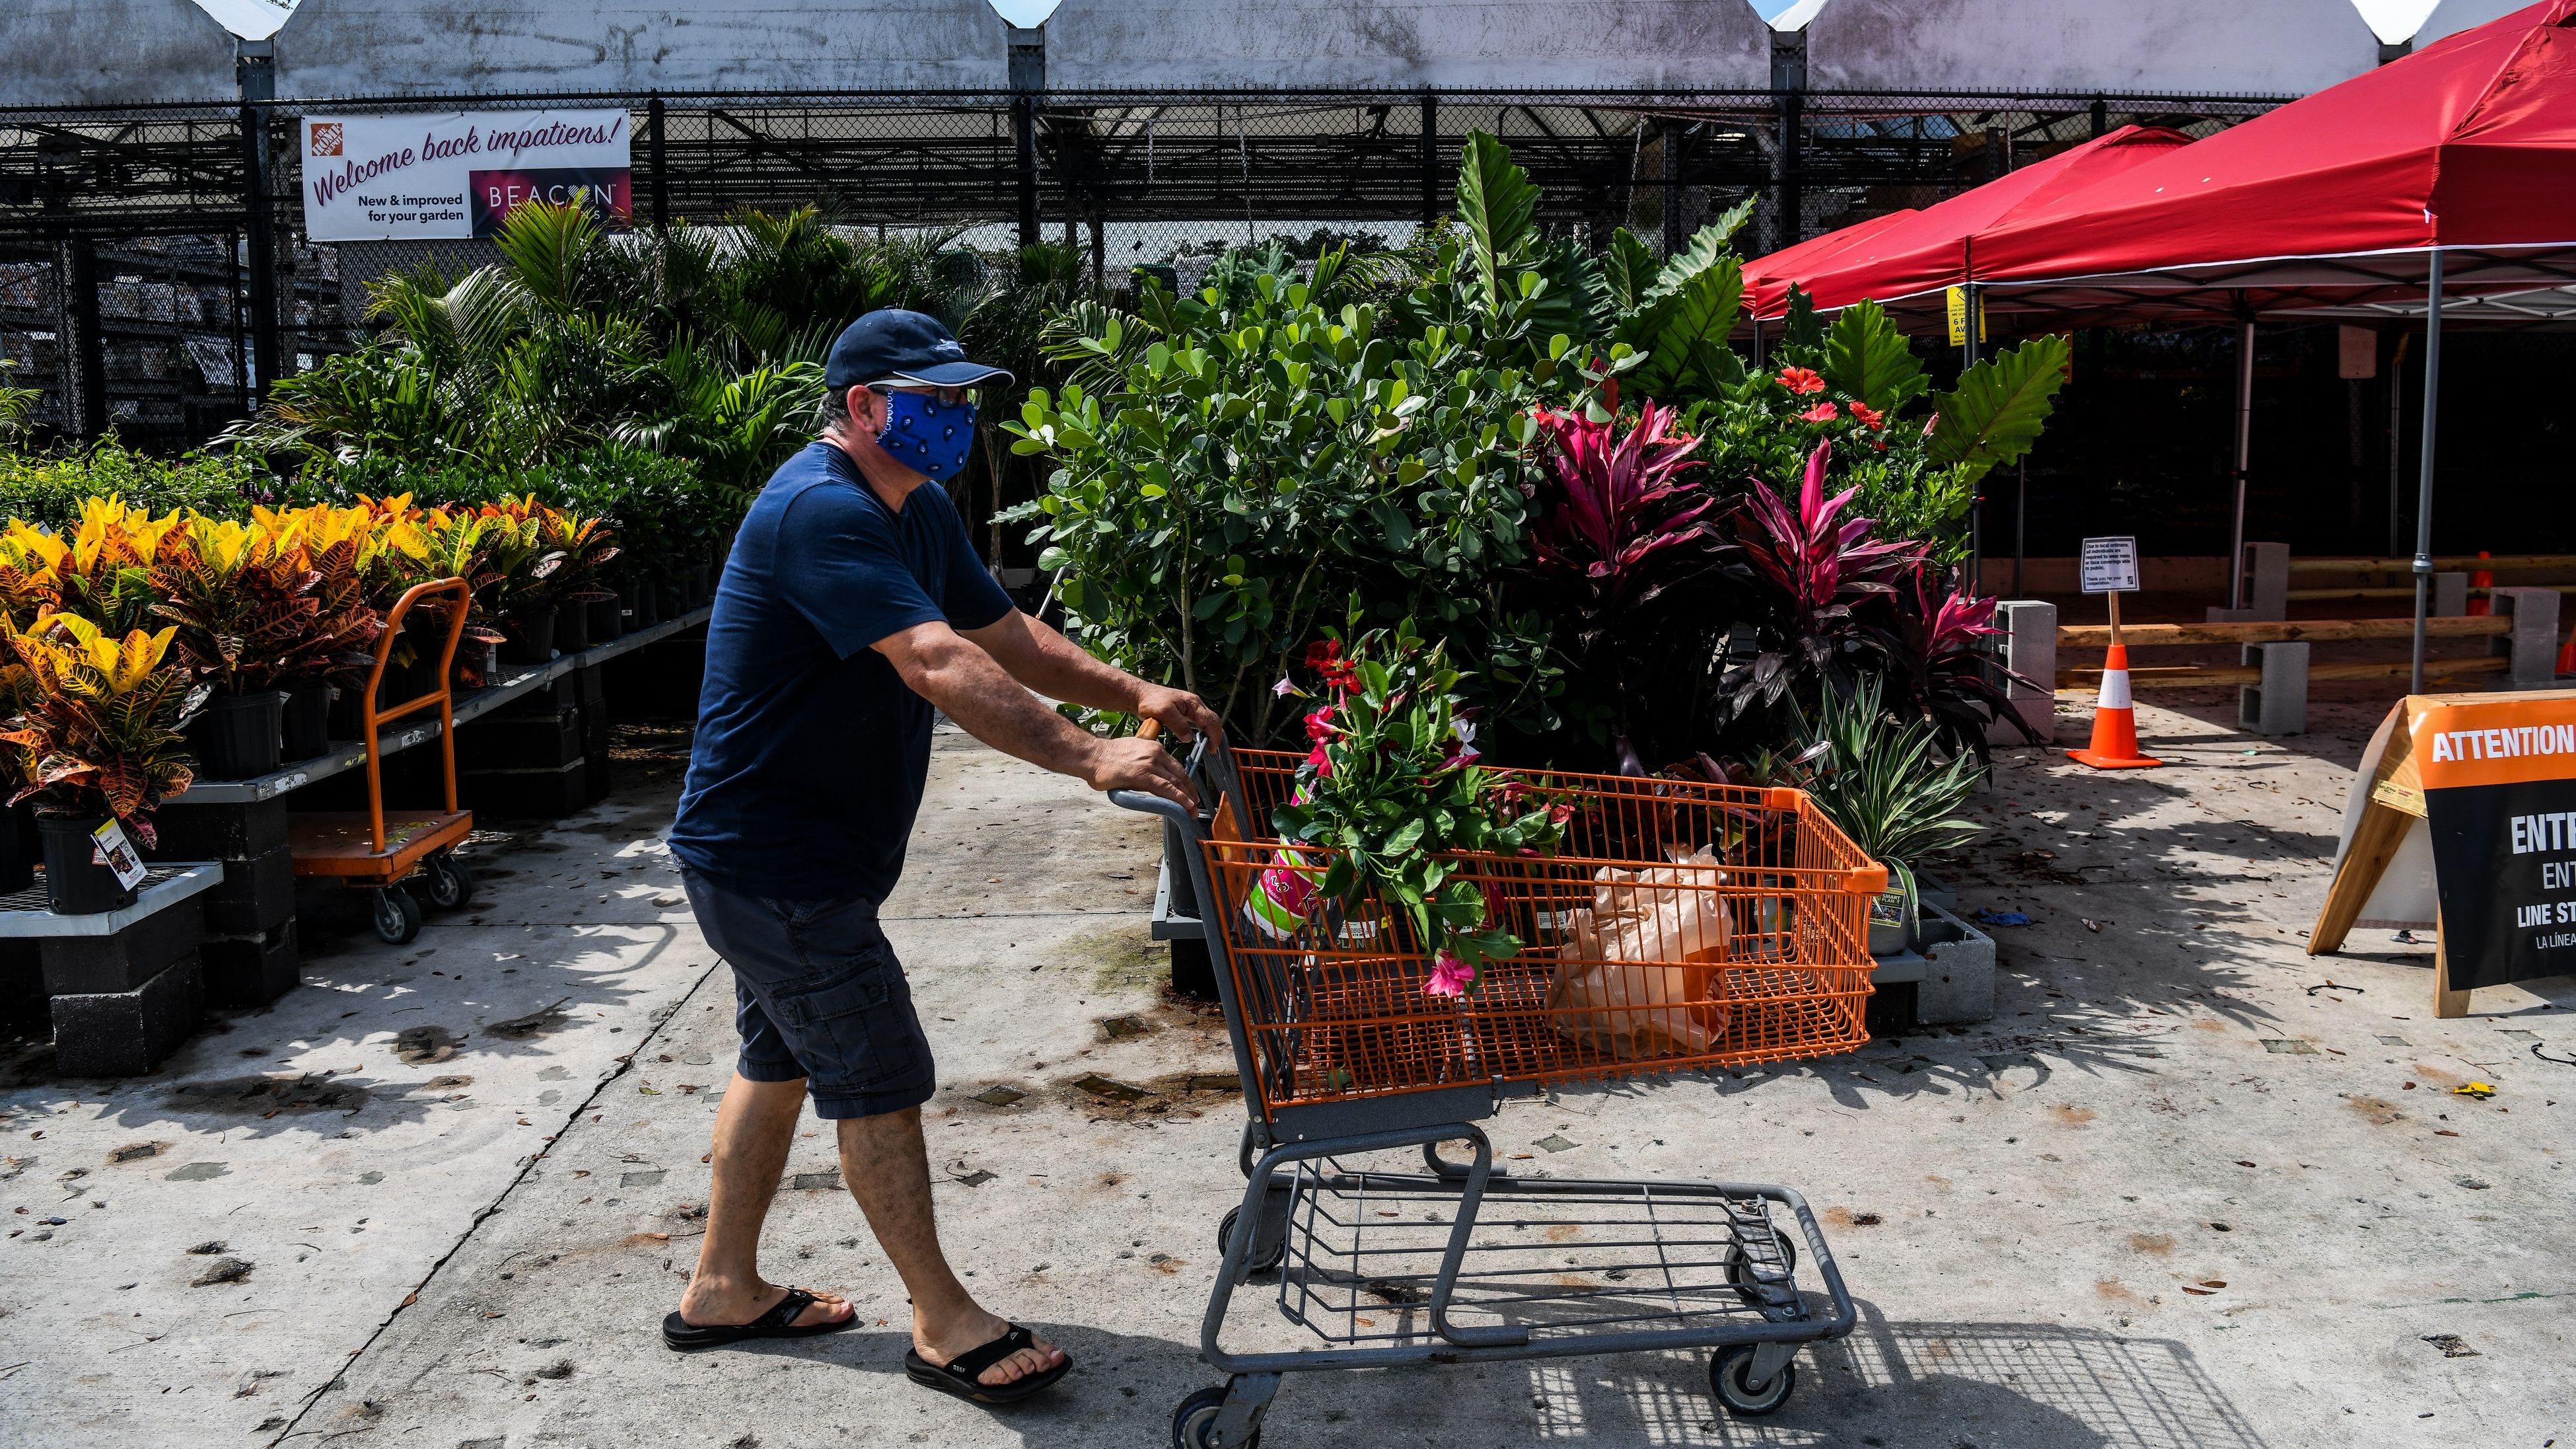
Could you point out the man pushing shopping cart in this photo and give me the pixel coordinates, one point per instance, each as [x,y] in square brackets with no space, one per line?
[852,603]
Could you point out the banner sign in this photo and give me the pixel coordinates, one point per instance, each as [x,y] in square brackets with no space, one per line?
[2499,782]
[2110,565]
[383,178]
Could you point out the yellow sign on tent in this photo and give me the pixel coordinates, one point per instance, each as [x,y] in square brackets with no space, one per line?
[1961,300]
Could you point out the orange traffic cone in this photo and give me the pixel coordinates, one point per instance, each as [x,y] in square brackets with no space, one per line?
[2481,590]
[2567,655]
[2115,721]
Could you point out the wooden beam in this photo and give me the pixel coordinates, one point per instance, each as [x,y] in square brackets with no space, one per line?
[2215,675]
[2408,592]
[2281,631]
[2447,564]
[2374,845]
[2448,1005]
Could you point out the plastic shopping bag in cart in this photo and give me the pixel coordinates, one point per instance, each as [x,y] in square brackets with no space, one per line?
[1636,972]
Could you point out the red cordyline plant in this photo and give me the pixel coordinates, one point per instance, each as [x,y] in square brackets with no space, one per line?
[1622,528]
[1935,668]
[1810,566]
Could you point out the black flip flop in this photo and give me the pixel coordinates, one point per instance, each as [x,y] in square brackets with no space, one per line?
[958,1375]
[778,1322]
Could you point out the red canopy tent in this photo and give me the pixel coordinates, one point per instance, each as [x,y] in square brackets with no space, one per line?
[1912,255]
[2449,171]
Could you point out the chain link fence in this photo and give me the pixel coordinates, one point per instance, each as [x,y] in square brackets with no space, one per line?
[148,254]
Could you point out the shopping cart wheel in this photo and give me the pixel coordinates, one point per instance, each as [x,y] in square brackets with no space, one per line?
[1728,1370]
[1257,1261]
[1739,1268]
[1194,1422]
[397,916]
[451,886]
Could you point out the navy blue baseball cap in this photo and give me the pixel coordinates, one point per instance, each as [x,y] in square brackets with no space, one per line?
[892,345]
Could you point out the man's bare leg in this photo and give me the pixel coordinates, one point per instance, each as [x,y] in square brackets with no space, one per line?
[755,1127]
[887,1167]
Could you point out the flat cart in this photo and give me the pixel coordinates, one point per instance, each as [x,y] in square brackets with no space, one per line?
[1342,1056]
[376,851]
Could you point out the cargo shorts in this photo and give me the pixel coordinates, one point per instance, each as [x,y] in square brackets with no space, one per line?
[818,995]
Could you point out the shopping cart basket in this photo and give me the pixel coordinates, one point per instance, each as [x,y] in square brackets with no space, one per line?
[1678,926]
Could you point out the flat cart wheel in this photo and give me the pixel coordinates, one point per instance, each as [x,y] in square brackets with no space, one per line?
[1194,1422]
[1257,1261]
[451,886]
[1729,1370]
[397,916]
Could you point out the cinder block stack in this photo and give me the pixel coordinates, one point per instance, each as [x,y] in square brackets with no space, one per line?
[121,1002]
[250,950]
[533,756]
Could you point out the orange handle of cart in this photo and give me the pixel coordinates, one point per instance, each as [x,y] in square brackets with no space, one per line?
[370,719]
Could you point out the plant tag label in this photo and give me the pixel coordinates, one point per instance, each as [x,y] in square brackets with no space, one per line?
[2110,565]
[117,854]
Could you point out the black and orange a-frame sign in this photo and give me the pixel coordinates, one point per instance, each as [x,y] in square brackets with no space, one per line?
[2491,780]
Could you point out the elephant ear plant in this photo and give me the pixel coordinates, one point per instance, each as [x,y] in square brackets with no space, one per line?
[1393,790]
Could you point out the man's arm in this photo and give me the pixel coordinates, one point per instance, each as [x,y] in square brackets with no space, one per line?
[954,673]
[1046,661]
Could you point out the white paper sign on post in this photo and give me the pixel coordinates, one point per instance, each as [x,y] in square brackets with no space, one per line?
[2110,565]
[384,178]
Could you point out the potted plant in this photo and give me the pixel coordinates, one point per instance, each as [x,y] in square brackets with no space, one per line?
[253,617]
[1886,786]
[97,737]
[1392,787]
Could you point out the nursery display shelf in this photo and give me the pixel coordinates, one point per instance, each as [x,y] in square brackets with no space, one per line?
[27,913]
[516,680]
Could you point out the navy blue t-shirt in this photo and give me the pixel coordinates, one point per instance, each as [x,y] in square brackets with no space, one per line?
[811,751]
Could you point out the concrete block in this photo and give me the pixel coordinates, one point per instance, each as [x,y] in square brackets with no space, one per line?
[2533,644]
[1958,983]
[2278,705]
[22,982]
[520,741]
[90,965]
[2029,650]
[525,794]
[218,832]
[2267,580]
[251,970]
[127,1033]
[257,895]
[553,697]
[589,686]
[2450,596]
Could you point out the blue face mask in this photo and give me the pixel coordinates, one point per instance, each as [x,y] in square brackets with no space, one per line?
[927,435]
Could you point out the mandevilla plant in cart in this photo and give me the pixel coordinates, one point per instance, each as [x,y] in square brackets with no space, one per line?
[1392,789]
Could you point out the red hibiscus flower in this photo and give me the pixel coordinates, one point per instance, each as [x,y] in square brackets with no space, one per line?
[1324,656]
[1822,412]
[1801,381]
[1868,415]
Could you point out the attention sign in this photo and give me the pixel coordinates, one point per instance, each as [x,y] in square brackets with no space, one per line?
[382,178]
[2500,796]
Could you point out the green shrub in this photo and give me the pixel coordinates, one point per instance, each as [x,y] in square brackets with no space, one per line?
[47,488]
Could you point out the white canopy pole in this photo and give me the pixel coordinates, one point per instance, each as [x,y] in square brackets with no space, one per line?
[2424,482]
[2244,457]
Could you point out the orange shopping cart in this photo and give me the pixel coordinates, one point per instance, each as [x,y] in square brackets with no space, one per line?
[1678,926]
[377,851]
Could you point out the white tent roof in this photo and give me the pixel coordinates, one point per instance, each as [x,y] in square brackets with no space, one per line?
[249,19]
[101,52]
[447,47]
[2453,16]
[1402,44]
[2189,47]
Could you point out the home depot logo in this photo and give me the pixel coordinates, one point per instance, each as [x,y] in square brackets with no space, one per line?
[326,138]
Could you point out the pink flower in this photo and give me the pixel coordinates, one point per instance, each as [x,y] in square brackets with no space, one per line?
[1319,725]
[1449,976]
[1322,762]
[1801,381]
[1823,412]
[1930,423]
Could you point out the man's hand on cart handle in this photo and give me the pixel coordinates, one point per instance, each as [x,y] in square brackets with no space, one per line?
[1179,711]
[1141,763]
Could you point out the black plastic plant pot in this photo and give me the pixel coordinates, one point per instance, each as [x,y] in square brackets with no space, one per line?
[533,640]
[701,583]
[643,607]
[607,620]
[76,882]
[673,601]
[572,628]
[308,719]
[237,736]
